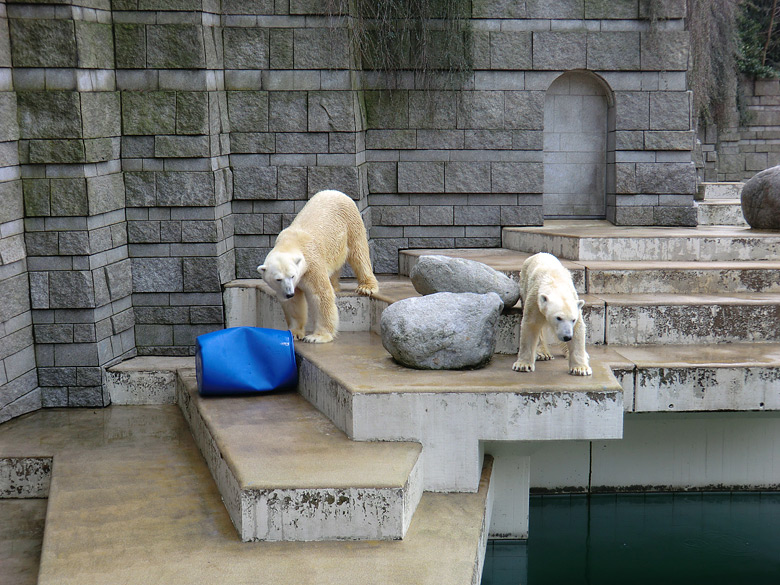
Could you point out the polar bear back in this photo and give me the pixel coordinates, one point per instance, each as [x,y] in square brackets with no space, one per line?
[325,227]
[544,271]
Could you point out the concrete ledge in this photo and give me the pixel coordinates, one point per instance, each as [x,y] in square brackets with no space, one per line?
[728,377]
[286,474]
[356,383]
[600,240]
[145,380]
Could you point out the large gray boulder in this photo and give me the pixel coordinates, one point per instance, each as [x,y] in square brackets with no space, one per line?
[434,273]
[761,200]
[442,331]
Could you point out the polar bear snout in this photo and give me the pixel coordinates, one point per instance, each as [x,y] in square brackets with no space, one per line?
[564,328]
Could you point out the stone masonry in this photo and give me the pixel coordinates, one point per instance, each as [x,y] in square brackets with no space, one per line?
[749,146]
[152,151]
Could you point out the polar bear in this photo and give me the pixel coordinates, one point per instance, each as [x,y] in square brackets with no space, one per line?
[304,266]
[550,306]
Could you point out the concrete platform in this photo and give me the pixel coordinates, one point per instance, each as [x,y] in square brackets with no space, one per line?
[724,377]
[132,501]
[600,240]
[21,536]
[356,383]
[287,474]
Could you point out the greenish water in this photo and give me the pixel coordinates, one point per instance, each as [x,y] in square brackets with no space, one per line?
[637,539]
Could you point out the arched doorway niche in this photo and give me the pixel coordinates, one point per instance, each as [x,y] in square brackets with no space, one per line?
[579,147]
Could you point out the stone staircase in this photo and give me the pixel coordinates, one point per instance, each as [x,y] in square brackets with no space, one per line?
[720,204]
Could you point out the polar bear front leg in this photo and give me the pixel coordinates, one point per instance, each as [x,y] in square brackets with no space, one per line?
[543,352]
[529,337]
[578,358]
[296,312]
[321,297]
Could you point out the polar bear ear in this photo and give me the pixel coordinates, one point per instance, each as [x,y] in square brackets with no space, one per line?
[580,304]
[542,300]
[298,260]
[261,269]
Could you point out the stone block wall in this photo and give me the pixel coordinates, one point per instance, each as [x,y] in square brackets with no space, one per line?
[175,158]
[739,152]
[74,198]
[450,168]
[19,390]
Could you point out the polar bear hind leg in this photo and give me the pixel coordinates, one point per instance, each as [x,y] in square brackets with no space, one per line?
[359,259]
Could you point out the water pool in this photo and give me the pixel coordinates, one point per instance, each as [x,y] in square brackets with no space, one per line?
[635,539]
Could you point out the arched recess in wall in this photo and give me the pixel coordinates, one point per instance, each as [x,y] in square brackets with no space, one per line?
[579,147]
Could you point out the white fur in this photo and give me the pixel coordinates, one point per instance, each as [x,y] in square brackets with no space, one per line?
[304,266]
[551,307]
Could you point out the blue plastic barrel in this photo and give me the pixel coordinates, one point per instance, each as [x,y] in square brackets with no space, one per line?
[245,360]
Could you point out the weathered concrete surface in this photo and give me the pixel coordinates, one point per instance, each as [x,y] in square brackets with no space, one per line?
[720,212]
[21,535]
[356,383]
[146,379]
[692,319]
[734,377]
[286,474]
[25,477]
[682,277]
[132,501]
[726,190]
[600,240]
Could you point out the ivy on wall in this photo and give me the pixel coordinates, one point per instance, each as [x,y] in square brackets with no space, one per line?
[759,39]
[423,36]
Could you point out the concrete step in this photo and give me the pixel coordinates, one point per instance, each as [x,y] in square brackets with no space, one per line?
[611,318]
[508,262]
[287,474]
[722,190]
[631,277]
[705,378]
[356,383]
[600,240]
[132,501]
[720,212]
[640,277]
[691,319]
[300,479]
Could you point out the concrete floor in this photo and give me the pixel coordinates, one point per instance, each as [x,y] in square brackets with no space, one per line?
[132,501]
[21,535]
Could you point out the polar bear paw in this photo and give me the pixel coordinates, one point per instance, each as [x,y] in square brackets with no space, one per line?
[580,371]
[519,366]
[544,357]
[367,289]
[318,338]
[298,334]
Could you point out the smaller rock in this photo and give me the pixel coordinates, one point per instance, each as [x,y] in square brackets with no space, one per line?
[442,331]
[434,273]
[761,200]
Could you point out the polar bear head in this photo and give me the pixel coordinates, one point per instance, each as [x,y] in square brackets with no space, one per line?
[282,271]
[561,313]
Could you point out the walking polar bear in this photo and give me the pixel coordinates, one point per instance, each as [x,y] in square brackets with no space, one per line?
[304,266]
[550,305]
